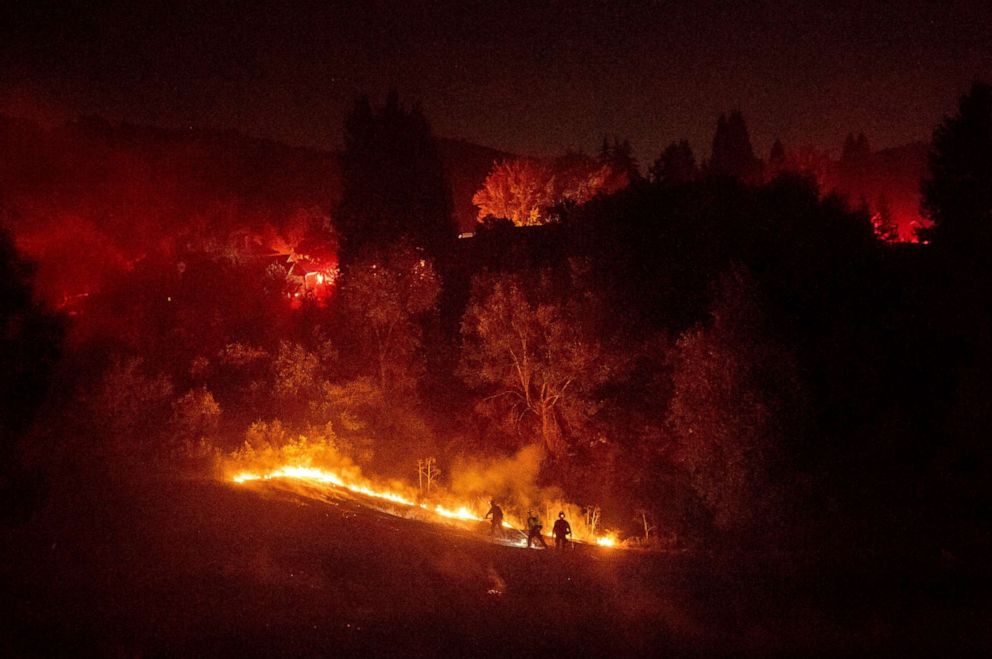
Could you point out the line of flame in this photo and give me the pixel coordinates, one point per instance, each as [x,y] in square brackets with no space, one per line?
[325,477]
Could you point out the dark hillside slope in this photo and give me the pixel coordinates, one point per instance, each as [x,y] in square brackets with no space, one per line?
[203,569]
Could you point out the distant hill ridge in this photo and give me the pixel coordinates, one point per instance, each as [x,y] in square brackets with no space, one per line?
[227,163]
[90,196]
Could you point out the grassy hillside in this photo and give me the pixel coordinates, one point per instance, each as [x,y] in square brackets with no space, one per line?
[203,569]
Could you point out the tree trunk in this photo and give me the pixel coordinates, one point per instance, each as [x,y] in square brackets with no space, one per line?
[550,431]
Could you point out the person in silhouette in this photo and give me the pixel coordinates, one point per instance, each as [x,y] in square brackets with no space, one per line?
[562,529]
[496,513]
[534,530]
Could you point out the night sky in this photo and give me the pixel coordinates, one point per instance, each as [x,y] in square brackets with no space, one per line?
[535,77]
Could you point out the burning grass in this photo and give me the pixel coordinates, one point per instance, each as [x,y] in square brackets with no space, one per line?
[314,468]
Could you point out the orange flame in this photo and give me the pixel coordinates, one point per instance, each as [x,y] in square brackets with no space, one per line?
[328,478]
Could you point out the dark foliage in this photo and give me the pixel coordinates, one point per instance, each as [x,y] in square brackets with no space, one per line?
[732,153]
[675,165]
[957,193]
[620,157]
[393,180]
[30,346]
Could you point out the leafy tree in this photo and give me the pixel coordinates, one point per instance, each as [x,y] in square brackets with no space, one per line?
[394,184]
[957,198]
[957,193]
[579,178]
[196,414]
[132,406]
[533,356]
[675,165]
[297,371]
[525,190]
[518,189]
[734,388]
[388,294]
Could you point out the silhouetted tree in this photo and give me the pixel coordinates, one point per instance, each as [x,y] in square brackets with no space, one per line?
[620,156]
[957,193]
[675,165]
[777,160]
[604,149]
[856,150]
[393,182]
[30,345]
[957,197]
[734,396]
[732,152]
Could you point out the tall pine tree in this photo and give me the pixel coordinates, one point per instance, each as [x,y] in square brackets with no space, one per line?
[957,193]
[732,152]
[394,184]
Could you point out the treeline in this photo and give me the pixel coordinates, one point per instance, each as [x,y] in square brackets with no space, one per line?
[531,191]
[718,362]
[88,199]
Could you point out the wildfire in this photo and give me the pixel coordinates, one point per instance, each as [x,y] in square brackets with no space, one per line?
[609,540]
[324,477]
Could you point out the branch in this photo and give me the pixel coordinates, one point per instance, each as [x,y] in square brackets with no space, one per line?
[509,392]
